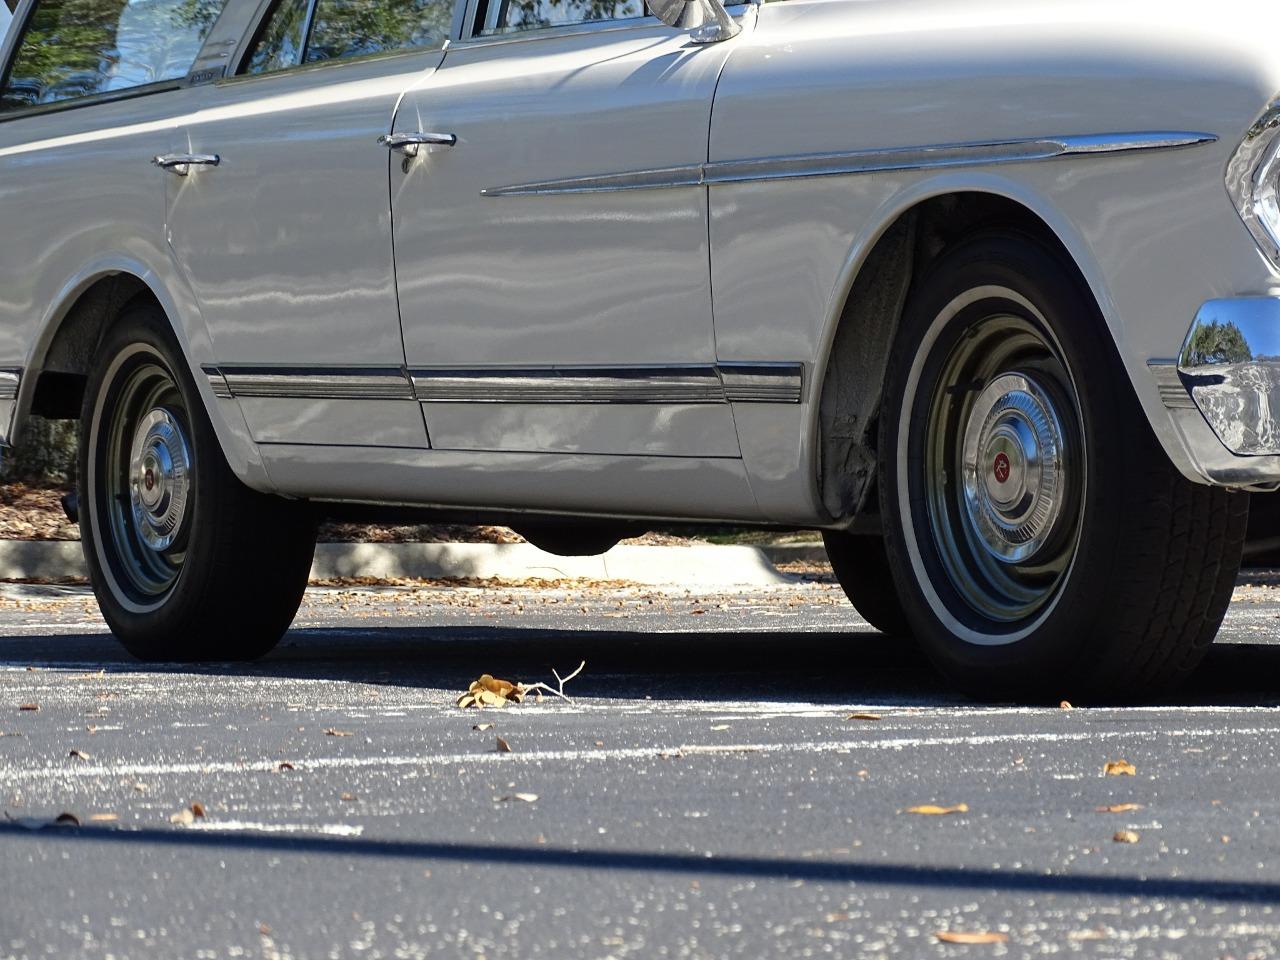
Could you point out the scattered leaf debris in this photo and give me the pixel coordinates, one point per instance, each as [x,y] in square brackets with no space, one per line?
[285,765]
[28,707]
[932,810]
[1065,705]
[482,726]
[972,936]
[67,820]
[80,755]
[1125,836]
[347,797]
[333,732]
[864,716]
[503,746]
[522,797]
[104,818]
[1119,808]
[1119,768]
[188,815]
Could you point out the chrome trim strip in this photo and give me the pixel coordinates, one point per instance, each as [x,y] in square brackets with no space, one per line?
[746,382]
[656,384]
[1173,392]
[732,382]
[315,383]
[217,382]
[10,378]
[857,162]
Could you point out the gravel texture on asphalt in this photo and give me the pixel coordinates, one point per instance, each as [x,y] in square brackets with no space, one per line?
[732,778]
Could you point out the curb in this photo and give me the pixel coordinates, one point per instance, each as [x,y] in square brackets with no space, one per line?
[692,566]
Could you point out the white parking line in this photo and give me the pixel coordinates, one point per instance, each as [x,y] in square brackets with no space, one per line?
[630,753]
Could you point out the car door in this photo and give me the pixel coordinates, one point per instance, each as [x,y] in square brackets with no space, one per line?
[546,305]
[281,221]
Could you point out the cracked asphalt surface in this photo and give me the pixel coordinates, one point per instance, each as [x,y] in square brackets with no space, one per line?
[705,793]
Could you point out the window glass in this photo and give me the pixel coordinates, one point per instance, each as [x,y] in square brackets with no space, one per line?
[340,29]
[514,15]
[75,48]
[5,18]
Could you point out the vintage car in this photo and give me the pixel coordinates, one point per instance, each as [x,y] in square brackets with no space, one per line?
[987,291]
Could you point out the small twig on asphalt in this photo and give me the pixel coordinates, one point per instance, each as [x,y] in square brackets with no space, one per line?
[561,680]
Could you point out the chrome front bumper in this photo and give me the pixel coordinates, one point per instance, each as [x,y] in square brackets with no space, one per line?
[1227,378]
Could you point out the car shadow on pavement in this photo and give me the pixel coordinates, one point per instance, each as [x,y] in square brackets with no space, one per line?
[650,863]
[782,666]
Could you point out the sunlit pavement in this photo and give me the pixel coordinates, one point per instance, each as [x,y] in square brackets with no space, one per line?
[705,793]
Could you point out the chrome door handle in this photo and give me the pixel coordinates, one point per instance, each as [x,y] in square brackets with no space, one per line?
[408,143]
[180,164]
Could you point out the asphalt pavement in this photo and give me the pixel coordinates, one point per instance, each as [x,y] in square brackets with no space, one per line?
[733,776]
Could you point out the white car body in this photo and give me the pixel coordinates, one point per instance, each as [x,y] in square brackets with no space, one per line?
[617,293]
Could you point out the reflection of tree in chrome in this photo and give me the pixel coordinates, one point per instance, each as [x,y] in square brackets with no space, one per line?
[74,48]
[1218,343]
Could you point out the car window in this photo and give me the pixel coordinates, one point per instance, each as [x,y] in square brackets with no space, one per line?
[509,16]
[5,18]
[76,48]
[341,29]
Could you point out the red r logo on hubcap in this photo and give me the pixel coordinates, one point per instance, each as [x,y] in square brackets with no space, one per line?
[150,478]
[1001,467]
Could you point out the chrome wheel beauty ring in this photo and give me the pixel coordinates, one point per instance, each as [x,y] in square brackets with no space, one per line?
[1013,467]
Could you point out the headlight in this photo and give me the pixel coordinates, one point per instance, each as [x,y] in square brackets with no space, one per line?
[1253,180]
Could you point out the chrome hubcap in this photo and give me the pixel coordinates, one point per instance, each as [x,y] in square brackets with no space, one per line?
[159,478]
[1013,471]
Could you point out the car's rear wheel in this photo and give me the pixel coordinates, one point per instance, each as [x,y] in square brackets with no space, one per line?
[187,563]
[1042,542]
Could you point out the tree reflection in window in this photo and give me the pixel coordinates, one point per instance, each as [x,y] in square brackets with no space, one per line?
[1217,342]
[536,14]
[76,48]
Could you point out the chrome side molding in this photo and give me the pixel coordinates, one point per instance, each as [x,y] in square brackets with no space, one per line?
[728,382]
[10,379]
[311,383]
[803,166]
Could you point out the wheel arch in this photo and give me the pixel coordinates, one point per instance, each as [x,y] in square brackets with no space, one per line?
[895,249]
[63,351]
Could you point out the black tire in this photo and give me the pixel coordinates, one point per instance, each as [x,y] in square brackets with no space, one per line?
[861,565]
[1099,572]
[188,563]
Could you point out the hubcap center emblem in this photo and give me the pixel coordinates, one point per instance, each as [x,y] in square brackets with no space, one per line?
[1001,467]
[149,479]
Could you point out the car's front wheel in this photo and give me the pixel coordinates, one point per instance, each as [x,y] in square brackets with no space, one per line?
[1042,542]
[187,563]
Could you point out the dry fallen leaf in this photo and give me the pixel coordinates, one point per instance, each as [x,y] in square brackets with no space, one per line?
[483,726]
[29,707]
[503,746]
[331,732]
[104,818]
[1125,836]
[1065,705]
[1119,768]
[863,716]
[197,809]
[522,797]
[929,810]
[67,820]
[491,692]
[286,765]
[184,817]
[720,726]
[1119,808]
[80,755]
[972,936]
[347,797]
[1095,934]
